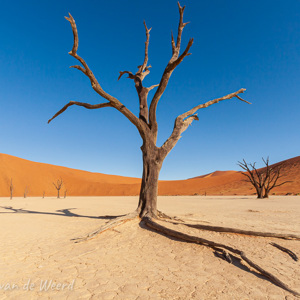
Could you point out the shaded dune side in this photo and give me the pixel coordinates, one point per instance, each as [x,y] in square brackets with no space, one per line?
[40,176]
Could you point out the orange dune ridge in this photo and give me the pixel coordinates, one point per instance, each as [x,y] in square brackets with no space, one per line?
[39,178]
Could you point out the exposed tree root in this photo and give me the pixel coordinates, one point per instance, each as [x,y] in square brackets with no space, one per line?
[217,246]
[223,254]
[238,231]
[163,216]
[109,225]
[221,250]
[288,251]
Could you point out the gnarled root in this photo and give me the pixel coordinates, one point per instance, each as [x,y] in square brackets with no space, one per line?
[238,231]
[109,225]
[217,246]
[288,251]
[163,216]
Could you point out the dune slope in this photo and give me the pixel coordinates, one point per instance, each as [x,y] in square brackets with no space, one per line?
[39,178]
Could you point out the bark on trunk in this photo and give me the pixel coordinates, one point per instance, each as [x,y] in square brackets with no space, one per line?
[259,192]
[149,186]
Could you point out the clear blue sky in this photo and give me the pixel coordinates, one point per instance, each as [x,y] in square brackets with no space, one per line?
[237,44]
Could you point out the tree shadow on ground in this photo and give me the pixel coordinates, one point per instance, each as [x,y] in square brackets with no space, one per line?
[60,212]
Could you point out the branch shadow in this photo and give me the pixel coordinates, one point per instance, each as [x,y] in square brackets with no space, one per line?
[60,212]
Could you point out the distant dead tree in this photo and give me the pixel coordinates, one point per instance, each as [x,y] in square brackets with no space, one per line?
[11,188]
[58,186]
[264,179]
[153,155]
[26,190]
[65,193]
[43,195]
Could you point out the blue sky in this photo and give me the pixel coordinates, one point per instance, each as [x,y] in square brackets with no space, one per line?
[237,44]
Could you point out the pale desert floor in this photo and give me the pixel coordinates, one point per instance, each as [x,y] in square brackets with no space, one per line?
[132,262]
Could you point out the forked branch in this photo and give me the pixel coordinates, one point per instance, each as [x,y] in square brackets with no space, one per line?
[113,102]
[183,121]
[144,65]
[173,63]
[143,70]
[138,77]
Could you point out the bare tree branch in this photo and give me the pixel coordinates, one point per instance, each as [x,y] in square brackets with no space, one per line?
[173,63]
[79,68]
[95,84]
[211,102]
[152,87]
[138,77]
[250,178]
[130,75]
[181,25]
[144,65]
[184,120]
[173,43]
[86,105]
[143,70]
[242,99]
[185,53]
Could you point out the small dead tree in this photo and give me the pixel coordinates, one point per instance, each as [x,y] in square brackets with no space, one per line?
[43,195]
[26,190]
[153,156]
[11,188]
[264,179]
[58,186]
[65,194]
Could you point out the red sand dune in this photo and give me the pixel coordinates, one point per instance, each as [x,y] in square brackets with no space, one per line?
[39,178]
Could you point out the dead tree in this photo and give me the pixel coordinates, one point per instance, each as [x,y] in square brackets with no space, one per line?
[26,190]
[273,174]
[65,194]
[11,189]
[43,195]
[58,186]
[264,179]
[146,124]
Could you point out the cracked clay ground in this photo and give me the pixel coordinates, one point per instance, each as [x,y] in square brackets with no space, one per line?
[132,262]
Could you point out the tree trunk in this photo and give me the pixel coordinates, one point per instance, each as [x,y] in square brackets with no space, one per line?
[259,192]
[266,195]
[58,194]
[149,186]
